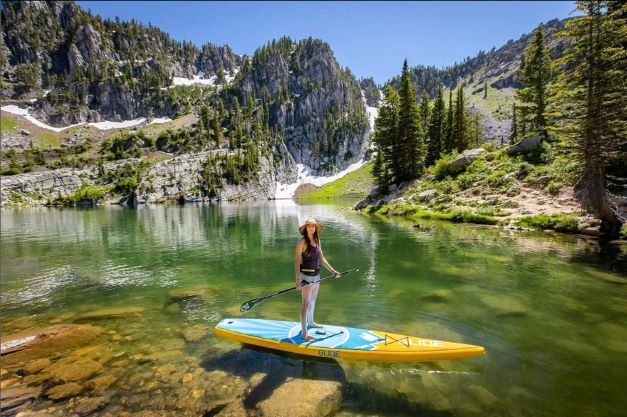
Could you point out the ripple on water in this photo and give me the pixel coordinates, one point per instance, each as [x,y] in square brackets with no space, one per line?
[40,289]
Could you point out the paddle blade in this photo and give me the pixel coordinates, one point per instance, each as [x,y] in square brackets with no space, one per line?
[249,304]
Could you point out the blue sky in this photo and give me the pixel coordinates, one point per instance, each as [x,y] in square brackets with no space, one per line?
[372,38]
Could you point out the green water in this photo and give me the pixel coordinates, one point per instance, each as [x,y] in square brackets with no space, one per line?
[551,310]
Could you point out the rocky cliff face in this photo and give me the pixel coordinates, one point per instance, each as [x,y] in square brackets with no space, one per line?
[177,178]
[312,100]
[38,187]
[372,94]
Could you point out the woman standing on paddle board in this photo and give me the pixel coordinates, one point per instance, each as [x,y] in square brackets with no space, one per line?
[309,256]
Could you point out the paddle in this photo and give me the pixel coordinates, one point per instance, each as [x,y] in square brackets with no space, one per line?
[251,303]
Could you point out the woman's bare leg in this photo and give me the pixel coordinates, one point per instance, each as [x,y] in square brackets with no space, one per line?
[312,306]
[306,300]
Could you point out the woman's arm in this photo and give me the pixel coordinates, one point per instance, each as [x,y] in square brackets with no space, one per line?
[299,251]
[324,261]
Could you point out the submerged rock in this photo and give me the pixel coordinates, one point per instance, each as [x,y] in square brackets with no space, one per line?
[234,409]
[33,414]
[73,368]
[36,366]
[483,396]
[101,383]
[42,343]
[148,413]
[437,393]
[438,296]
[505,306]
[5,383]
[64,391]
[303,398]
[37,379]
[114,312]
[100,353]
[14,399]
[200,293]
[195,333]
[87,406]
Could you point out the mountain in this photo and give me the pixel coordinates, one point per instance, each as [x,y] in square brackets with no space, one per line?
[93,69]
[307,96]
[498,69]
[96,69]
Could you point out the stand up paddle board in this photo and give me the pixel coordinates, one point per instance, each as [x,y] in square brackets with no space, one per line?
[342,342]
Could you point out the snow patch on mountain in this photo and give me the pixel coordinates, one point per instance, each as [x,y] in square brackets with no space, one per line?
[105,125]
[305,177]
[371,112]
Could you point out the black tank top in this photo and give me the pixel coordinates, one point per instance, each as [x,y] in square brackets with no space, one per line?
[311,260]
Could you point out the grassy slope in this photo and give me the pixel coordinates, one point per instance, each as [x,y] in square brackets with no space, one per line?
[41,138]
[496,189]
[356,184]
[498,103]
[183,121]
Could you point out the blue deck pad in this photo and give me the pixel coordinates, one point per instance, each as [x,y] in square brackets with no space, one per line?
[328,336]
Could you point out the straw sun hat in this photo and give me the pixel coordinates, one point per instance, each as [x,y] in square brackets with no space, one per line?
[301,229]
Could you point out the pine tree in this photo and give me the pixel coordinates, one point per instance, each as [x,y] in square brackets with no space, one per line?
[386,137]
[380,172]
[535,76]
[238,133]
[523,112]
[221,76]
[217,129]
[250,105]
[436,130]
[460,124]
[475,131]
[448,145]
[424,110]
[514,128]
[205,121]
[590,101]
[411,134]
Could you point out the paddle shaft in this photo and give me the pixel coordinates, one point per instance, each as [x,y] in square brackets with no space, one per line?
[251,303]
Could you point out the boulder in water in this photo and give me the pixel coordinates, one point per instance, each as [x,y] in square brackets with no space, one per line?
[303,398]
[45,342]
